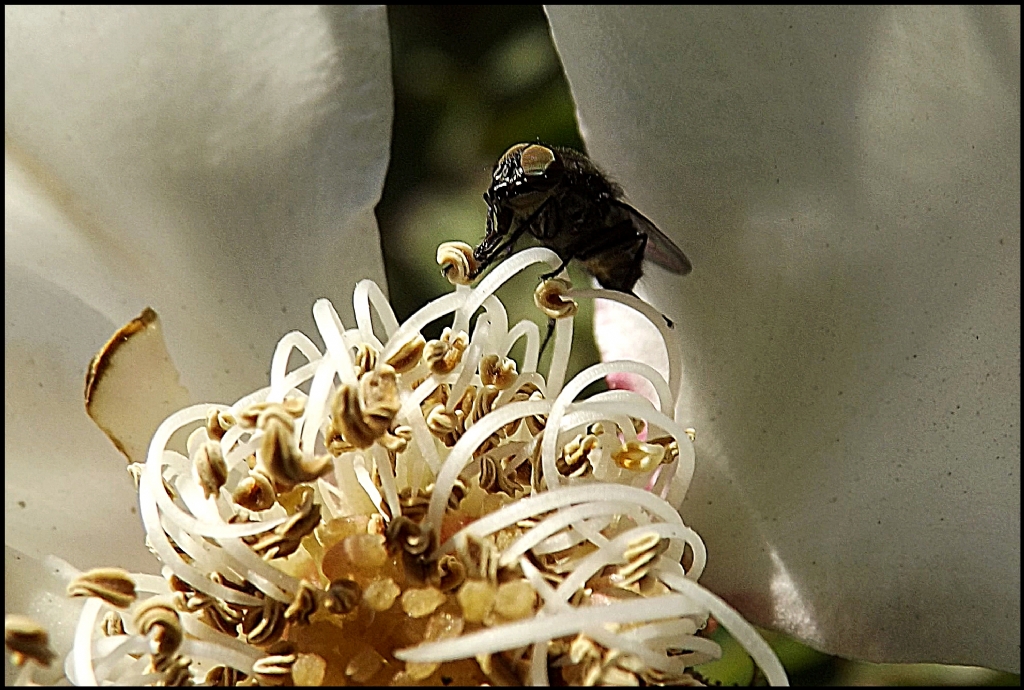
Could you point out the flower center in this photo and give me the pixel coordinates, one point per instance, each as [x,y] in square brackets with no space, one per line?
[398,511]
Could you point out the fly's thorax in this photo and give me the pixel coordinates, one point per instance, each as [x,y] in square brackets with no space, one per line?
[572,220]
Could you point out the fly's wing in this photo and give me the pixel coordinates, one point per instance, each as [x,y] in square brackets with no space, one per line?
[660,249]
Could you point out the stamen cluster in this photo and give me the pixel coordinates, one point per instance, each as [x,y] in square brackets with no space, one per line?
[393,510]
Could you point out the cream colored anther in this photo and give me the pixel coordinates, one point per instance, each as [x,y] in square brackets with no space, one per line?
[550,298]
[457,262]
[444,355]
[638,456]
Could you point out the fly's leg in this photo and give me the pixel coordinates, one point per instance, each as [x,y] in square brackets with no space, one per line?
[668,322]
[547,338]
[486,257]
[561,267]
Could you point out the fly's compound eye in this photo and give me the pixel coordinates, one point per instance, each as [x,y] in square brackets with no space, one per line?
[536,159]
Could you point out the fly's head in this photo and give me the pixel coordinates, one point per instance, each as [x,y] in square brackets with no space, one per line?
[524,178]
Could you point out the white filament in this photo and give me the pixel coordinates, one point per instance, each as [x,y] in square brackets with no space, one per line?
[542,628]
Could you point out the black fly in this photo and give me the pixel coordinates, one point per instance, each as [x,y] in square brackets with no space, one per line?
[561,198]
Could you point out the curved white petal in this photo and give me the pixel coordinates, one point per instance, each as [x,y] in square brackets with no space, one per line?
[220,165]
[36,589]
[847,184]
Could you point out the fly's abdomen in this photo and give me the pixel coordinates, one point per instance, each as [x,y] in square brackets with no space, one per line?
[615,269]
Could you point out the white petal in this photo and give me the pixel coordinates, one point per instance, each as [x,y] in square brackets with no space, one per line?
[220,165]
[66,489]
[34,589]
[847,185]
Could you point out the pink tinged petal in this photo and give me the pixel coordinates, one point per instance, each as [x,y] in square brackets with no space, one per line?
[847,184]
[218,164]
[622,333]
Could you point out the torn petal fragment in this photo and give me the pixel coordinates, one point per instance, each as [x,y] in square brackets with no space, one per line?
[132,384]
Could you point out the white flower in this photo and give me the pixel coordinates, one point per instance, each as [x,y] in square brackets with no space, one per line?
[846,182]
